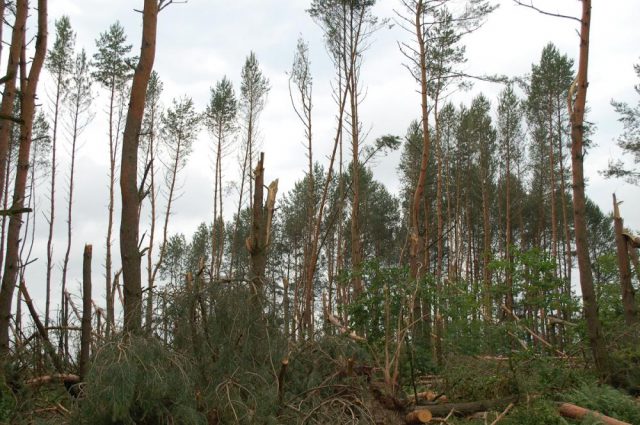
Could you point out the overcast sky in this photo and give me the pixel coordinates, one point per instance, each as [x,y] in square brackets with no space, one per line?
[203,40]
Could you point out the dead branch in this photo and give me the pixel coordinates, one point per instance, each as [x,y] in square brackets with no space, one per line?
[503,414]
[11,211]
[544,12]
[336,322]
[532,333]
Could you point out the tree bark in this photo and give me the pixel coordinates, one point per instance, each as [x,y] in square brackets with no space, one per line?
[628,294]
[129,224]
[85,342]
[576,113]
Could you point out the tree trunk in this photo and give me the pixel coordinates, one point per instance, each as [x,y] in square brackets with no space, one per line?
[628,294]
[576,112]
[29,87]
[85,342]
[8,96]
[129,224]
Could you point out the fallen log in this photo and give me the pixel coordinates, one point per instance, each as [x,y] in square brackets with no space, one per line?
[421,416]
[468,408]
[56,377]
[572,411]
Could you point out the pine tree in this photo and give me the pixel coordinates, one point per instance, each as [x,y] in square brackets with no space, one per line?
[220,119]
[112,69]
[59,63]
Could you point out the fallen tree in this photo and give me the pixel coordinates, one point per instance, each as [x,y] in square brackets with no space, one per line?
[468,408]
[572,411]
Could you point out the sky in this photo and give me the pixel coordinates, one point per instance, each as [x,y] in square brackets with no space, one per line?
[203,40]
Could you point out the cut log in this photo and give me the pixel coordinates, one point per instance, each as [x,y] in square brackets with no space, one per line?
[421,416]
[572,411]
[463,409]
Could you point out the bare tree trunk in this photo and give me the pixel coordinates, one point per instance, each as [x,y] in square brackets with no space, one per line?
[54,139]
[129,224]
[415,237]
[3,6]
[508,231]
[152,230]
[552,190]
[29,87]
[108,259]
[65,264]
[85,344]
[234,241]
[628,294]
[576,112]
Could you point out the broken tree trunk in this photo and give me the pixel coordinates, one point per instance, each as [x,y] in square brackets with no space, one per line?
[572,411]
[58,363]
[463,409]
[262,215]
[85,341]
[632,245]
[628,295]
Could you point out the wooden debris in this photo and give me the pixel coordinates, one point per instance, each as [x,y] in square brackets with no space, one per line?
[572,411]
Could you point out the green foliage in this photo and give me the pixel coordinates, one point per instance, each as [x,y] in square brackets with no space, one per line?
[629,140]
[7,401]
[540,411]
[383,304]
[470,378]
[113,65]
[221,112]
[534,285]
[180,127]
[135,380]
[60,57]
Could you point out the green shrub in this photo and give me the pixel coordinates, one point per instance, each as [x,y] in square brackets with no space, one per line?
[138,381]
[537,413]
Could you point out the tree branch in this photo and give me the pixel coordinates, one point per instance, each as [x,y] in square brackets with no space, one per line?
[543,12]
